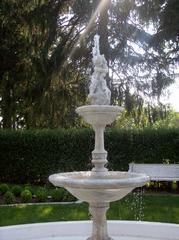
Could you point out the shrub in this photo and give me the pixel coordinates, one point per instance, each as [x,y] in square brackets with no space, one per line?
[174,186]
[38,154]
[70,150]
[58,194]
[29,188]
[68,197]
[41,195]
[3,188]
[16,190]
[26,196]
[9,197]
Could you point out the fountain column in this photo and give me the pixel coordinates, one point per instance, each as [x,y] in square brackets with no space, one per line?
[99,228]
[99,155]
[98,209]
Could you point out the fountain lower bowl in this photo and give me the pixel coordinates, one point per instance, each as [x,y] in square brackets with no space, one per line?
[119,230]
[91,187]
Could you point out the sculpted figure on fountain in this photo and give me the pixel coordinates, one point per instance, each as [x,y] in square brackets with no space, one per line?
[99,93]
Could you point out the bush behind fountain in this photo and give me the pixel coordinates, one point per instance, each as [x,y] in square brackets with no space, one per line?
[22,152]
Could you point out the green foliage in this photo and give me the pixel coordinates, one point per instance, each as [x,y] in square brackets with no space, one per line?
[3,188]
[26,196]
[141,146]
[9,197]
[31,156]
[68,197]
[151,117]
[16,190]
[29,188]
[162,186]
[62,195]
[58,194]
[36,42]
[171,121]
[45,59]
[41,195]
[174,186]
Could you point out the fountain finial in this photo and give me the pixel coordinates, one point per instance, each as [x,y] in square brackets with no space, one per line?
[99,93]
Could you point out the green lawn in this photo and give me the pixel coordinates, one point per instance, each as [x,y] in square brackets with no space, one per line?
[159,208]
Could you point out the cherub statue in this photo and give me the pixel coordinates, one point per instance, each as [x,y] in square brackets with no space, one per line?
[99,92]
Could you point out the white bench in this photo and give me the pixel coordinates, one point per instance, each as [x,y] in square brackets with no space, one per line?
[157,172]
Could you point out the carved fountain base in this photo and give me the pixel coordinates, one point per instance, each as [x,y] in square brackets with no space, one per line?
[98,212]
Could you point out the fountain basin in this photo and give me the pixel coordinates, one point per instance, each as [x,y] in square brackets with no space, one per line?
[91,187]
[99,114]
[119,230]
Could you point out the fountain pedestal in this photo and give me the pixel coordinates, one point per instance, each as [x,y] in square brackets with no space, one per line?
[98,212]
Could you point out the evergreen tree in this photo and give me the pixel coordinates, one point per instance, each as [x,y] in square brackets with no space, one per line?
[46,56]
[36,38]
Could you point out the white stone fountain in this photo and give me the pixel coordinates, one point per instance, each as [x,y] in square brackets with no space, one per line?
[99,186]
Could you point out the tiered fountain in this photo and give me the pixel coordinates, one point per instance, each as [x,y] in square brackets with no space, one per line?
[99,186]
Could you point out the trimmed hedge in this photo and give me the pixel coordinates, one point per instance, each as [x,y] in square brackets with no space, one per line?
[31,156]
[144,146]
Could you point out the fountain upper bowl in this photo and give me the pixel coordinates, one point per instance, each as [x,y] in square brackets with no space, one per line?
[91,187]
[99,114]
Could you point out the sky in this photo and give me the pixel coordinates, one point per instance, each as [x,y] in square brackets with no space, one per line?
[173,97]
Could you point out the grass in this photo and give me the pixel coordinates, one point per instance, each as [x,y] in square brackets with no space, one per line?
[158,208]
[44,213]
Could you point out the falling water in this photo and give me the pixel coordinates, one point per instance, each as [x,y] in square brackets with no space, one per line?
[137,204]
